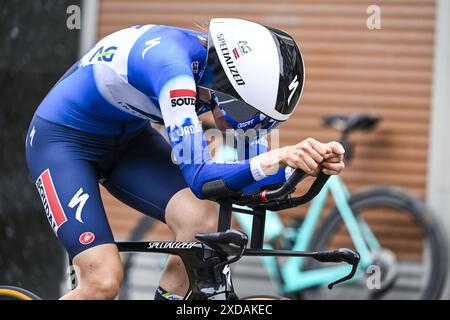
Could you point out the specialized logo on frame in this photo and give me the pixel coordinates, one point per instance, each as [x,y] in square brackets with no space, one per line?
[170,245]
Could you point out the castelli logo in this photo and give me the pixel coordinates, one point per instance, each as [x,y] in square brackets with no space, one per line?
[87,238]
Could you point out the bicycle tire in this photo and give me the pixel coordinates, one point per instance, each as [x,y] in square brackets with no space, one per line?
[393,197]
[16,293]
[143,226]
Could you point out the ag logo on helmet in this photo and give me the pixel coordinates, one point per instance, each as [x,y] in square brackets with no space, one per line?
[241,49]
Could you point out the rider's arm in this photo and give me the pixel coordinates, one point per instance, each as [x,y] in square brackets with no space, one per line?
[177,102]
[165,72]
[269,169]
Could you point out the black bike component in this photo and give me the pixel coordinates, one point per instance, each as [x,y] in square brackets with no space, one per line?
[348,155]
[224,217]
[292,202]
[201,264]
[352,122]
[216,190]
[349,123]
[229,243]
[142,227]
[274,200]
[207,263]
[341,255]
[267,195]
[269,198]
[258,224]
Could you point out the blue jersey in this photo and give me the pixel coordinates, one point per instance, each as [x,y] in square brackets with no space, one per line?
[149,73]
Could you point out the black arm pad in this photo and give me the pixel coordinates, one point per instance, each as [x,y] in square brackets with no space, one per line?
[218,190]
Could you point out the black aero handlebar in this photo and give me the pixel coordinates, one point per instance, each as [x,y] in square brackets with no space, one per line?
[279,199]
[341,255]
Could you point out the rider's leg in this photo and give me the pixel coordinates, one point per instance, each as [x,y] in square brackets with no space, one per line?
[99,274]
[67,184]
[146,179]
[185,215]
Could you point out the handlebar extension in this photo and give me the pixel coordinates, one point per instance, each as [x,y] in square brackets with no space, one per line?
[341,255]
[279,199]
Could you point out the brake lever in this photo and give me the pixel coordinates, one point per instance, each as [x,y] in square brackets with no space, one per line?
[341,255]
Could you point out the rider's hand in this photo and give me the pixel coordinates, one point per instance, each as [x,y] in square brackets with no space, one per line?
[334,161]
[308,156]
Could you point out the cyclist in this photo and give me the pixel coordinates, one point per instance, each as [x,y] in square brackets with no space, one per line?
[93,126]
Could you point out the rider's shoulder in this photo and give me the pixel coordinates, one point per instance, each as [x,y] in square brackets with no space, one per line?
[162,43]
[166,35]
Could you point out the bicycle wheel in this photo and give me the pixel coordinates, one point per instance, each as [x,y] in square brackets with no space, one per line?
[412,260]
[15,293]
[141,271]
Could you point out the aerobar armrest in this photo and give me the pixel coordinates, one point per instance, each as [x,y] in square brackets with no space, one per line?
[217,190]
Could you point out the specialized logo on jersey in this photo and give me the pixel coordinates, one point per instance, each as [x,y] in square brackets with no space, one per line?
[86,238]
[150,44]
[32,133]
[182,97]
[53,209]
[104,54]
[79,199]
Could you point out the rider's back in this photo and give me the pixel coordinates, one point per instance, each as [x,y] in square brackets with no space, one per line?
[113,89]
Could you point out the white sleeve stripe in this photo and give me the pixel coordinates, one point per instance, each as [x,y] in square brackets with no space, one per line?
[288,172]
[177,115]
[257,171]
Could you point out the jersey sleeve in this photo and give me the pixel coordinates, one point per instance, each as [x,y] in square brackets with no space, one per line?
[177,99]
[250,150]
[276,179]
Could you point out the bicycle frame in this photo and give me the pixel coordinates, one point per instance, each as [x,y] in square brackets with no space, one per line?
[207,262]
[205,269]
[290,277]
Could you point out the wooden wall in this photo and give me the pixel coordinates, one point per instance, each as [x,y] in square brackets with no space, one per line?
[349,68]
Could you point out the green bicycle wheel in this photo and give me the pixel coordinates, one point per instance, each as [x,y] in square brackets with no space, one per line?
[412,260]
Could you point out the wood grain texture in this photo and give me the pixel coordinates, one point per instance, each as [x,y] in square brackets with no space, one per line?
[348,69]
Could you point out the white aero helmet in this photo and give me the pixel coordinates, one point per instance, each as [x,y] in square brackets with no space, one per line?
[257,72]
